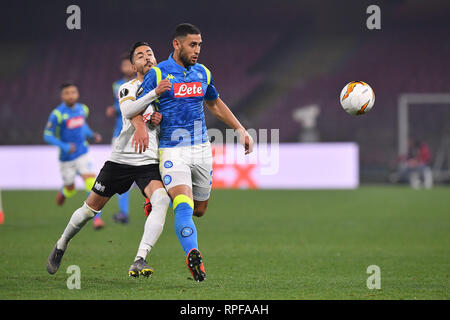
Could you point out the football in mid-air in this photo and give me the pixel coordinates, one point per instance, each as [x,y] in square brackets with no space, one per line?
[357,98]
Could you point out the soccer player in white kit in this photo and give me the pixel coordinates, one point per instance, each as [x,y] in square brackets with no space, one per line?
[127,166]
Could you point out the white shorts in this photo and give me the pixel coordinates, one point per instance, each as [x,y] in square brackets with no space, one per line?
[189,165]
[80,165]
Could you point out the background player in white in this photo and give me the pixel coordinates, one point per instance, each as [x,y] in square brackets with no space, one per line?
[127,166]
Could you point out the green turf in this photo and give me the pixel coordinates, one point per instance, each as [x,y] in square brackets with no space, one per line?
[256,245]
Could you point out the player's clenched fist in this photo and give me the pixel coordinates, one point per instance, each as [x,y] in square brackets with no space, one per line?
[246,140]
[163,86]
[156,118]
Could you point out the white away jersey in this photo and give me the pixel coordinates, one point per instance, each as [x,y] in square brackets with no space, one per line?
[123,152]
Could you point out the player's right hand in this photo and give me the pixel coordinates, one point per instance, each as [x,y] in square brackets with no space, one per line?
[140,140]
[73,148]
[163,86]
[246,140]
[156,118]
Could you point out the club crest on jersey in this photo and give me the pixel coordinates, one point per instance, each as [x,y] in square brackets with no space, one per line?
[75,122]
[186,90]
[140,91]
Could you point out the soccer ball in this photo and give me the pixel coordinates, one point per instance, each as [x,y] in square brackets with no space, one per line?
[357,98]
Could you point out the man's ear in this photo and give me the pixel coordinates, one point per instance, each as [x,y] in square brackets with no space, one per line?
[176,44]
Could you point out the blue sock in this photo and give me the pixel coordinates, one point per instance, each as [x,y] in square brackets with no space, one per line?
[185,227]
[98,215]
[124,200]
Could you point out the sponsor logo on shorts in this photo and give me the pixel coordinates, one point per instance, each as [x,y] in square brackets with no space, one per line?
[98,186]
[168,164]
[186,232]
[167,179]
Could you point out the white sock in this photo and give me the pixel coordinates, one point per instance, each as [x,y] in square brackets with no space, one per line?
[76,222]
[155,222]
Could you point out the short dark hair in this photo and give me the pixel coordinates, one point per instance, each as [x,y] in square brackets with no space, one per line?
[66,85]
[184,29]
[134,47]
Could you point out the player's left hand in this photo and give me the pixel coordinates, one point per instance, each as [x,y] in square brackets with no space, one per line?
[156,118]
[140,140]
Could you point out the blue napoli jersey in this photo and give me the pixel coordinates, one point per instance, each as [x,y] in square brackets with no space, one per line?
[118,121]
[68,125]
[183,119]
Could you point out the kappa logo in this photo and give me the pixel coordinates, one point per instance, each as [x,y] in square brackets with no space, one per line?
[186,90]
[170,76]
[98,186]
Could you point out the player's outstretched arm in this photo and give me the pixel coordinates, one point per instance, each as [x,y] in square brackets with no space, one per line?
[224,114]
[130,107]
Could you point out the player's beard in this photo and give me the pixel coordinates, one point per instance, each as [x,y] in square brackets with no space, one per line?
[185,59]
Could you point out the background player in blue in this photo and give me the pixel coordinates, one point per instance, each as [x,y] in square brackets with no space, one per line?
[114,112]
[185,151]
[67,129]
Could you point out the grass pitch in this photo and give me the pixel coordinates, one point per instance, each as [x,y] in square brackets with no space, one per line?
[256,245]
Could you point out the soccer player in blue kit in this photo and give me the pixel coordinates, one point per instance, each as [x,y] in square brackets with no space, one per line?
[67,129]
[185,150]
[114,112]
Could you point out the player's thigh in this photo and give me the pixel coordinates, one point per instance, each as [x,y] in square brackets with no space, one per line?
[201,169]
[175,172]
[68,171]
[148,179]
[152,186]
[113,178]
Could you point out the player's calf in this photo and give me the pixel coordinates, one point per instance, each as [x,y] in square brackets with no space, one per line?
[200,208]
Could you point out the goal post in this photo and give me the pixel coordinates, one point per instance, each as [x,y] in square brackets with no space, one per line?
[404,102]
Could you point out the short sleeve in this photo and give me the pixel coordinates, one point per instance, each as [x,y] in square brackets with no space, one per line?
[125,93]
[52,123]
[85,110]
[211,91]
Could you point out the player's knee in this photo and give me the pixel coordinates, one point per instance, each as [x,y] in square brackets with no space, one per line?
[95,202]
[88,210]
[160,198]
